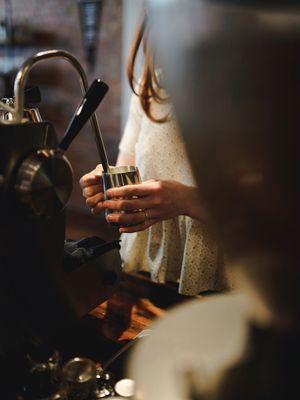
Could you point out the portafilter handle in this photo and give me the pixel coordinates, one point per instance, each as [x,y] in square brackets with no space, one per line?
[20,81]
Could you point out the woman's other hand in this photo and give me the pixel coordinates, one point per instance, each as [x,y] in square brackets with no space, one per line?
[151,201]
[92,190]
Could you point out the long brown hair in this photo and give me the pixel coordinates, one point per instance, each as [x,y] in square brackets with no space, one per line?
[149,87]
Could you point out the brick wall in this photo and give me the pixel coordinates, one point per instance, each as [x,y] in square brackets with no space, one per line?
[56,23]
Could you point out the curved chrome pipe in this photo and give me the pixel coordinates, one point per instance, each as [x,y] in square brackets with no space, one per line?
[19,86]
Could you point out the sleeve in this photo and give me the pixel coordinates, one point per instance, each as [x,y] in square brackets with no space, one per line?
[132,127]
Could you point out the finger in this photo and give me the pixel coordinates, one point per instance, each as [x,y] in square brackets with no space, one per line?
[138,189]
[94,200]
[138,227]
[127,205]
[90,191]
[92,178]
[98,209]
[127,218]
[99,168]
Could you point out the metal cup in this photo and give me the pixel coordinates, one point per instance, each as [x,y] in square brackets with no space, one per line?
[79,379]
[119,176]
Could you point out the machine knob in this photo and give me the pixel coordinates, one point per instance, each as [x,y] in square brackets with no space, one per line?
[44,182]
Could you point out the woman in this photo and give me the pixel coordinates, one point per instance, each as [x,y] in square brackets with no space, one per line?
[171,237]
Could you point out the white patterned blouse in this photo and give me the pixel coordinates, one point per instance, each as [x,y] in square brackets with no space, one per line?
[181,249]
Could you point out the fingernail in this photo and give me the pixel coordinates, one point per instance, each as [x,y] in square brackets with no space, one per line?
[108,193]
[110,217]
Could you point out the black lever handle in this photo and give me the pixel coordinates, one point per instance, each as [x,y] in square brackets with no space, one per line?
[86,108]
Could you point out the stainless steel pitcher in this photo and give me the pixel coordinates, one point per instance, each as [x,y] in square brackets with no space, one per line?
[119,176]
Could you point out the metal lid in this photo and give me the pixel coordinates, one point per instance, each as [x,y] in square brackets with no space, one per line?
[79,370]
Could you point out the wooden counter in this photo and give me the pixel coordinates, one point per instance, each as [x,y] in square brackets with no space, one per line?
[137,303]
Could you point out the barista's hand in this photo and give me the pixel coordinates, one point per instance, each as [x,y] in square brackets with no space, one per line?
[156,201]
[92,190]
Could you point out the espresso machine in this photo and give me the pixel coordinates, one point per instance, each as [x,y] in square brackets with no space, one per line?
[47,282]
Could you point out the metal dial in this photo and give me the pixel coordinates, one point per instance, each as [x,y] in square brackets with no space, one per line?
[44,182]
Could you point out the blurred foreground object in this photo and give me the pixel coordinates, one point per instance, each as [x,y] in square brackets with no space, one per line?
[197,337]
[233,73]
